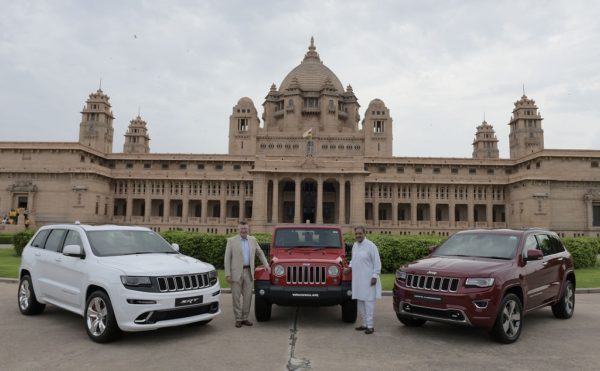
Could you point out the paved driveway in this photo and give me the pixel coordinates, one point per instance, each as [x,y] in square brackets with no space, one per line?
[305,338]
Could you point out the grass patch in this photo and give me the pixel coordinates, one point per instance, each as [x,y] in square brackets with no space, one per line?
[586,277]
[9,263]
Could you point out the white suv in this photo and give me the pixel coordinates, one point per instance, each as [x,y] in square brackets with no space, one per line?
[117,278]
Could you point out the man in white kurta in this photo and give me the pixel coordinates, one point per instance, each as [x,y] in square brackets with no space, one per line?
[366,285]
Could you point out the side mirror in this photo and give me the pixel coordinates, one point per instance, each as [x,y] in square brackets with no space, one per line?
[175,247]
[74,251]
[534,255]
[265,247]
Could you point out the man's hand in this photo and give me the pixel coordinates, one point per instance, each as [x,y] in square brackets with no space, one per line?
[268,269]
[373,281]
[228,278]
[347,270]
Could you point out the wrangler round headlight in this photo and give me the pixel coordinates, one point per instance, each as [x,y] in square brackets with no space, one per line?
[278,270]
[333,270]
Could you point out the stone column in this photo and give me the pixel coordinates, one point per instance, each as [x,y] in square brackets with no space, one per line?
[167,202]
[357,209]
[129,202]
[223,203]
[395,205]
[432,216]
[451,208]
[185,200]
[413,204]
[204,207]
[259,201]
[319,200]
[376,208]
[147,202]
[342,204]
[470,206]
[297,199]
[275,202]
[242,201]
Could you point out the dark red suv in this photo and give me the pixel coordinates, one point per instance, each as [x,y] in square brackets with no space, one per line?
[488,279]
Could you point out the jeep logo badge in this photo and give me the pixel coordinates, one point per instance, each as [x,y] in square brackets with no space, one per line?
[306,264]
[432,273]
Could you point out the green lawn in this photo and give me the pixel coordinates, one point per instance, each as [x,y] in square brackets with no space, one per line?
[586,278]
[9,263]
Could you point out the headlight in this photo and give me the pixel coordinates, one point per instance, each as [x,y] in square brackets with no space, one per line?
[401,275]
[479,282]
[278,270]
[136,281]
[333,271]
[212,277]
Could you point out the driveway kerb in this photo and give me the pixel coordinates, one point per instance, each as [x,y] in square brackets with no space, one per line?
[384,293]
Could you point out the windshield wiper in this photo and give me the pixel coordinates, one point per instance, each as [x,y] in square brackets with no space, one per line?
[497,257]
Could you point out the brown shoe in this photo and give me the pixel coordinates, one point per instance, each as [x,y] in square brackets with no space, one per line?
[238,324]
[369,331]
[360,328]
[247,323]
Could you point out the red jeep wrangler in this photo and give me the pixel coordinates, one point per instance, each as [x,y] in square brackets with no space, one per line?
[307,268]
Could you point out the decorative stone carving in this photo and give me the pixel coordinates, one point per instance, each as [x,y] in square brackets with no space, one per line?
[22,186]
[592,195]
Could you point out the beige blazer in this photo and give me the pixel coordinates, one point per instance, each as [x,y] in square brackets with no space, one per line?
[234,257]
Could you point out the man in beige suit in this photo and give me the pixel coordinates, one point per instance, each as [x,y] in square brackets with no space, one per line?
[239,271]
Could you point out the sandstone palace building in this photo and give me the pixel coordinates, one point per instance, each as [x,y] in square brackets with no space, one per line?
[311,158]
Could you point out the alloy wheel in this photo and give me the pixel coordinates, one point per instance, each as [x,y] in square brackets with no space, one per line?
[96,316]
[511,319]
[24,295]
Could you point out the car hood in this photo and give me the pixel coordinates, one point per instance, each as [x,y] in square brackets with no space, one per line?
[457,266]
[317,256]
[156,264]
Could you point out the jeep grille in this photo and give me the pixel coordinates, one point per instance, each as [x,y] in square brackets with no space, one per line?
[433,283]
[184,282]
[305,275]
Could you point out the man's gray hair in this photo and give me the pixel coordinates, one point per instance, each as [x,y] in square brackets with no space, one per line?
[361,227]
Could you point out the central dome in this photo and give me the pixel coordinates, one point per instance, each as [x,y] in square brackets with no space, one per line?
[311,74]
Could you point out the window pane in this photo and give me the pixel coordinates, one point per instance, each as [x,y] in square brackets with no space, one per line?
[73,239]
[40,238]
[55,239]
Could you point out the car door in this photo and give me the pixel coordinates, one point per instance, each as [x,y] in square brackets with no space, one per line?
[69,272]
[47,260]
[533,276]
[554,265]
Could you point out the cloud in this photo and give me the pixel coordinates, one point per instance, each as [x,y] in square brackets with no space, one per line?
[438,66]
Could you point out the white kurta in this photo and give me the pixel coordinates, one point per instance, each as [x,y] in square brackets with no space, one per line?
[365,265]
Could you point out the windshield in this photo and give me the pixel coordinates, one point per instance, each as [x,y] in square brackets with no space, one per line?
[308,237]
[485,245]
[116,242]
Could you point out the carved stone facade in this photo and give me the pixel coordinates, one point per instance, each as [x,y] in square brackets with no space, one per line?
[310,158]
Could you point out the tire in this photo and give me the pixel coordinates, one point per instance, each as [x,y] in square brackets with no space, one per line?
[262,309]
[99,318]
[566,305]
[509,321]
[349,311]
[410,321]
[28,304]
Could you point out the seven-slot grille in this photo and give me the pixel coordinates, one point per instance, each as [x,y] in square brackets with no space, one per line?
[432,283]
[183,282]
[306,275]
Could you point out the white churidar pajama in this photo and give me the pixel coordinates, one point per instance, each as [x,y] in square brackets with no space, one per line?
[365,265]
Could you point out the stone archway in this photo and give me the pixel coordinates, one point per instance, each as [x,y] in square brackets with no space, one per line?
[308,201]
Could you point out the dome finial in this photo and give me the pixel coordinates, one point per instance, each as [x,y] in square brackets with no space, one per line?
[311,53]
[312,44]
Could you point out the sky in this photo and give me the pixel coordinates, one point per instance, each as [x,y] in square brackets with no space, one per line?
[439,66]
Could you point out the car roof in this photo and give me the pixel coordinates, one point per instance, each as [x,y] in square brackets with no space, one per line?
[307,226]
[104,227]
[504,231]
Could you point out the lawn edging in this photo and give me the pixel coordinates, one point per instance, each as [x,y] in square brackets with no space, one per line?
[383,293]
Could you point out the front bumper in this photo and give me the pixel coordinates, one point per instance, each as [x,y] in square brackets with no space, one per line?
[478,308]
[164,313]
[304,295]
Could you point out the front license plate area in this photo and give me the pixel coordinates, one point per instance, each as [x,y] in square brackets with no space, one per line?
[192,300]
[427,298]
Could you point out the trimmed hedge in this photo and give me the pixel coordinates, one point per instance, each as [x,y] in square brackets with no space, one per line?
[395,250]
[583,249]
[20,239]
